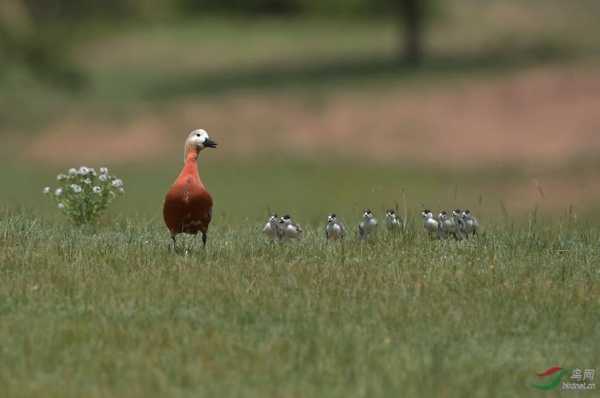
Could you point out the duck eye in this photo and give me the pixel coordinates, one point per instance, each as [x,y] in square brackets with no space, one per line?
[197,135]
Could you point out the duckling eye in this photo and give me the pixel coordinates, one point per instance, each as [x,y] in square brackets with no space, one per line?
[197,135]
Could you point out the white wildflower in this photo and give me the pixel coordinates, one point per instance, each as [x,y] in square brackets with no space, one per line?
[84,192]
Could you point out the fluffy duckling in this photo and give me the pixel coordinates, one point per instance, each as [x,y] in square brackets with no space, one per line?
[471,224]
[289,228]
[430,224]
[334,229]
[368,225]
[448,225]
[392,221]
[271,228]
[457,215]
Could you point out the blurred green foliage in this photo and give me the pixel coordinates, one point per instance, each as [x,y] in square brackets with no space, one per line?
[298,7]
[38,34]
[76,10]
[37,37]
[412,14]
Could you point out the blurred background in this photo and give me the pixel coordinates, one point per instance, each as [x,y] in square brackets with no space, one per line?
[318,105]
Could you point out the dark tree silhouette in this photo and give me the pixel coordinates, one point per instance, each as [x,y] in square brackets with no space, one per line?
[413,17]
[413,13]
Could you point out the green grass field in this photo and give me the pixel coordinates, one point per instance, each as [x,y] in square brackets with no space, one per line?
[110,312]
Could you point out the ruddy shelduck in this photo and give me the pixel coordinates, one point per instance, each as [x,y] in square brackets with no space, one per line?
[188,205]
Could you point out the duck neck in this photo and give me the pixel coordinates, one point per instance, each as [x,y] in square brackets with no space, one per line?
[190,164]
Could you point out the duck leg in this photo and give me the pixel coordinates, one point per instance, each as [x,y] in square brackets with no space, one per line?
[204,237]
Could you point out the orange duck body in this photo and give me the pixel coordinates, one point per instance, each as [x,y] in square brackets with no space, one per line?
[188,205]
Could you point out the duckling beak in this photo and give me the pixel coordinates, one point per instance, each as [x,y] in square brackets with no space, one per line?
[210,143]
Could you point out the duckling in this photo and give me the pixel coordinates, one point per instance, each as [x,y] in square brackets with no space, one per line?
[392,221]
[368,225]
[334,229]
[271,228]
[290,229]
[471,224]
[448,225]
[457,215]
[430,224]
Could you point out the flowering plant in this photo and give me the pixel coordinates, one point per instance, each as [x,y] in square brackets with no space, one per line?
[82,194]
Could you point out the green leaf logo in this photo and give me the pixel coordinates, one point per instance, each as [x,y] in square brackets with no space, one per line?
[552,378]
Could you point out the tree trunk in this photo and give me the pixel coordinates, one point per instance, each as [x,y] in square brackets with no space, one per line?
[412,13]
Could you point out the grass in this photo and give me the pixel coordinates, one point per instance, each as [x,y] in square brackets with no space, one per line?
[309,188]
[247,190]
[110,312]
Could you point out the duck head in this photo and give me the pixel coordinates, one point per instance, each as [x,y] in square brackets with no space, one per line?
[197,140]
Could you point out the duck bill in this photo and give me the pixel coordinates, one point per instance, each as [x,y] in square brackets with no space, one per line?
[210,143]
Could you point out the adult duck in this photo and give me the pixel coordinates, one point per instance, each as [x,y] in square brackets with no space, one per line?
[188,205]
